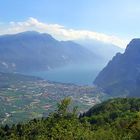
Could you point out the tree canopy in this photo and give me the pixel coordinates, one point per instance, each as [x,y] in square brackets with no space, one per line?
[115,119]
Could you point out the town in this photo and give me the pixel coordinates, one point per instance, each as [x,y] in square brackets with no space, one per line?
[24,100]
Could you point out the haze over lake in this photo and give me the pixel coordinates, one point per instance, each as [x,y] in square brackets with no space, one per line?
[76,74]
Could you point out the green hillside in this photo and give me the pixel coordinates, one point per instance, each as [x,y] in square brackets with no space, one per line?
[116,119]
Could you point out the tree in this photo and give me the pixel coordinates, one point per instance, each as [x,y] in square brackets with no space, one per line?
[63,107]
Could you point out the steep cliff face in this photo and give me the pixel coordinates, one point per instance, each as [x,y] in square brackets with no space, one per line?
[122,74]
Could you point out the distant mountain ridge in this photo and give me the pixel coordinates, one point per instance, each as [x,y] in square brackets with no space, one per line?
[122,74]
[33,51]
[106,51]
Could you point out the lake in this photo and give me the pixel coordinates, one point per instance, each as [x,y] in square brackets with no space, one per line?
[80,75]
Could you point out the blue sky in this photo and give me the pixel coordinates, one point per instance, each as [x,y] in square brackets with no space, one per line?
[119,18]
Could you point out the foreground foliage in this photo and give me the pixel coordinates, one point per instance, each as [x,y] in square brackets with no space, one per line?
[116,119]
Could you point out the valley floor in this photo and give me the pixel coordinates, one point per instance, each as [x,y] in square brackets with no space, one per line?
[25,100]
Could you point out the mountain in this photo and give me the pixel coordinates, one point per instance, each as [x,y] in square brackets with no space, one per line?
[33,51]
[116,119]
[105,51]
[122,74]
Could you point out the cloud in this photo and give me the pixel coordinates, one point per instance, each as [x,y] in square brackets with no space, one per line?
[60,32]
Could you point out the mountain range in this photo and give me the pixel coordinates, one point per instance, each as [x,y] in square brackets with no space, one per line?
[34,51]
[105,51]
[121,76]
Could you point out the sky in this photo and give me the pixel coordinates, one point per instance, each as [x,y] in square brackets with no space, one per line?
[112,21]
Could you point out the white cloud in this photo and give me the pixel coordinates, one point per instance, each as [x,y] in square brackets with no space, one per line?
[60,32]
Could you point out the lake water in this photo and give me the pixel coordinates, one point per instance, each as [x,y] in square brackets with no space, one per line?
[81,75]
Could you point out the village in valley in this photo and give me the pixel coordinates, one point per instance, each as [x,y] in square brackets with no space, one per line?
[28,99]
